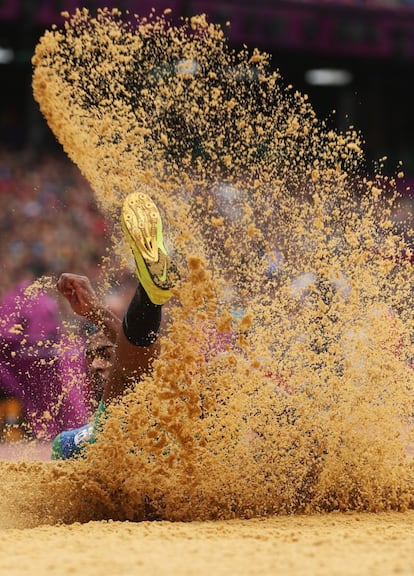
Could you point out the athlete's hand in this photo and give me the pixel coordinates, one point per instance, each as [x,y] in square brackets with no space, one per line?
[79,293]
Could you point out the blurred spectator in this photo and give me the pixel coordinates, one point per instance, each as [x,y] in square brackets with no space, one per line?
[40,366]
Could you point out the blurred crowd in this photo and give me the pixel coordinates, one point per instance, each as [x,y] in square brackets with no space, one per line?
[46,208]
[49,224]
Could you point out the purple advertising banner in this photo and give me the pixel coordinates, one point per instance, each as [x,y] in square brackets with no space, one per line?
[339,28]
[47,12]
[9,9]
[344,29]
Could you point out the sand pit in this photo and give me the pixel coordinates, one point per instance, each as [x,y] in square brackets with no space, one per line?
[335,544]
[331,545]
[277,420]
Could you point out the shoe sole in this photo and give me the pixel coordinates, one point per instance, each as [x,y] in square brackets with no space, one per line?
[142,225]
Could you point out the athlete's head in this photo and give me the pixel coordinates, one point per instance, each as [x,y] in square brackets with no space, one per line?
[99,356]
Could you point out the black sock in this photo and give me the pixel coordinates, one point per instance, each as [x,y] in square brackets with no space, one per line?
[142,319]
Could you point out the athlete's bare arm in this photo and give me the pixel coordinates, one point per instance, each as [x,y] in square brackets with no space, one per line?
[82,297]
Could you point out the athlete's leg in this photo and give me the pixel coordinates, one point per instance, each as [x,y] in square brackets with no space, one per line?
[136,347]
[137,343]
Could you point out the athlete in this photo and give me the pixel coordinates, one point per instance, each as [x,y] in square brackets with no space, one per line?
[135,338]
[99,353]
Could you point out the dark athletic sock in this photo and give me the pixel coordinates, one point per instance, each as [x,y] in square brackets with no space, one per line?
[142,319]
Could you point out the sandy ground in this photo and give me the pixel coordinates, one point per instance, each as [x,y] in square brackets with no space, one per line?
[27,451]
[329,544]
[336,544]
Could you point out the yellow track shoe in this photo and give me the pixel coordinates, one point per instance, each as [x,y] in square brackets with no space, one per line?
[142,225]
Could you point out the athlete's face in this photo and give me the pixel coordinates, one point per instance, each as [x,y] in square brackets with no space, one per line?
[99,357]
